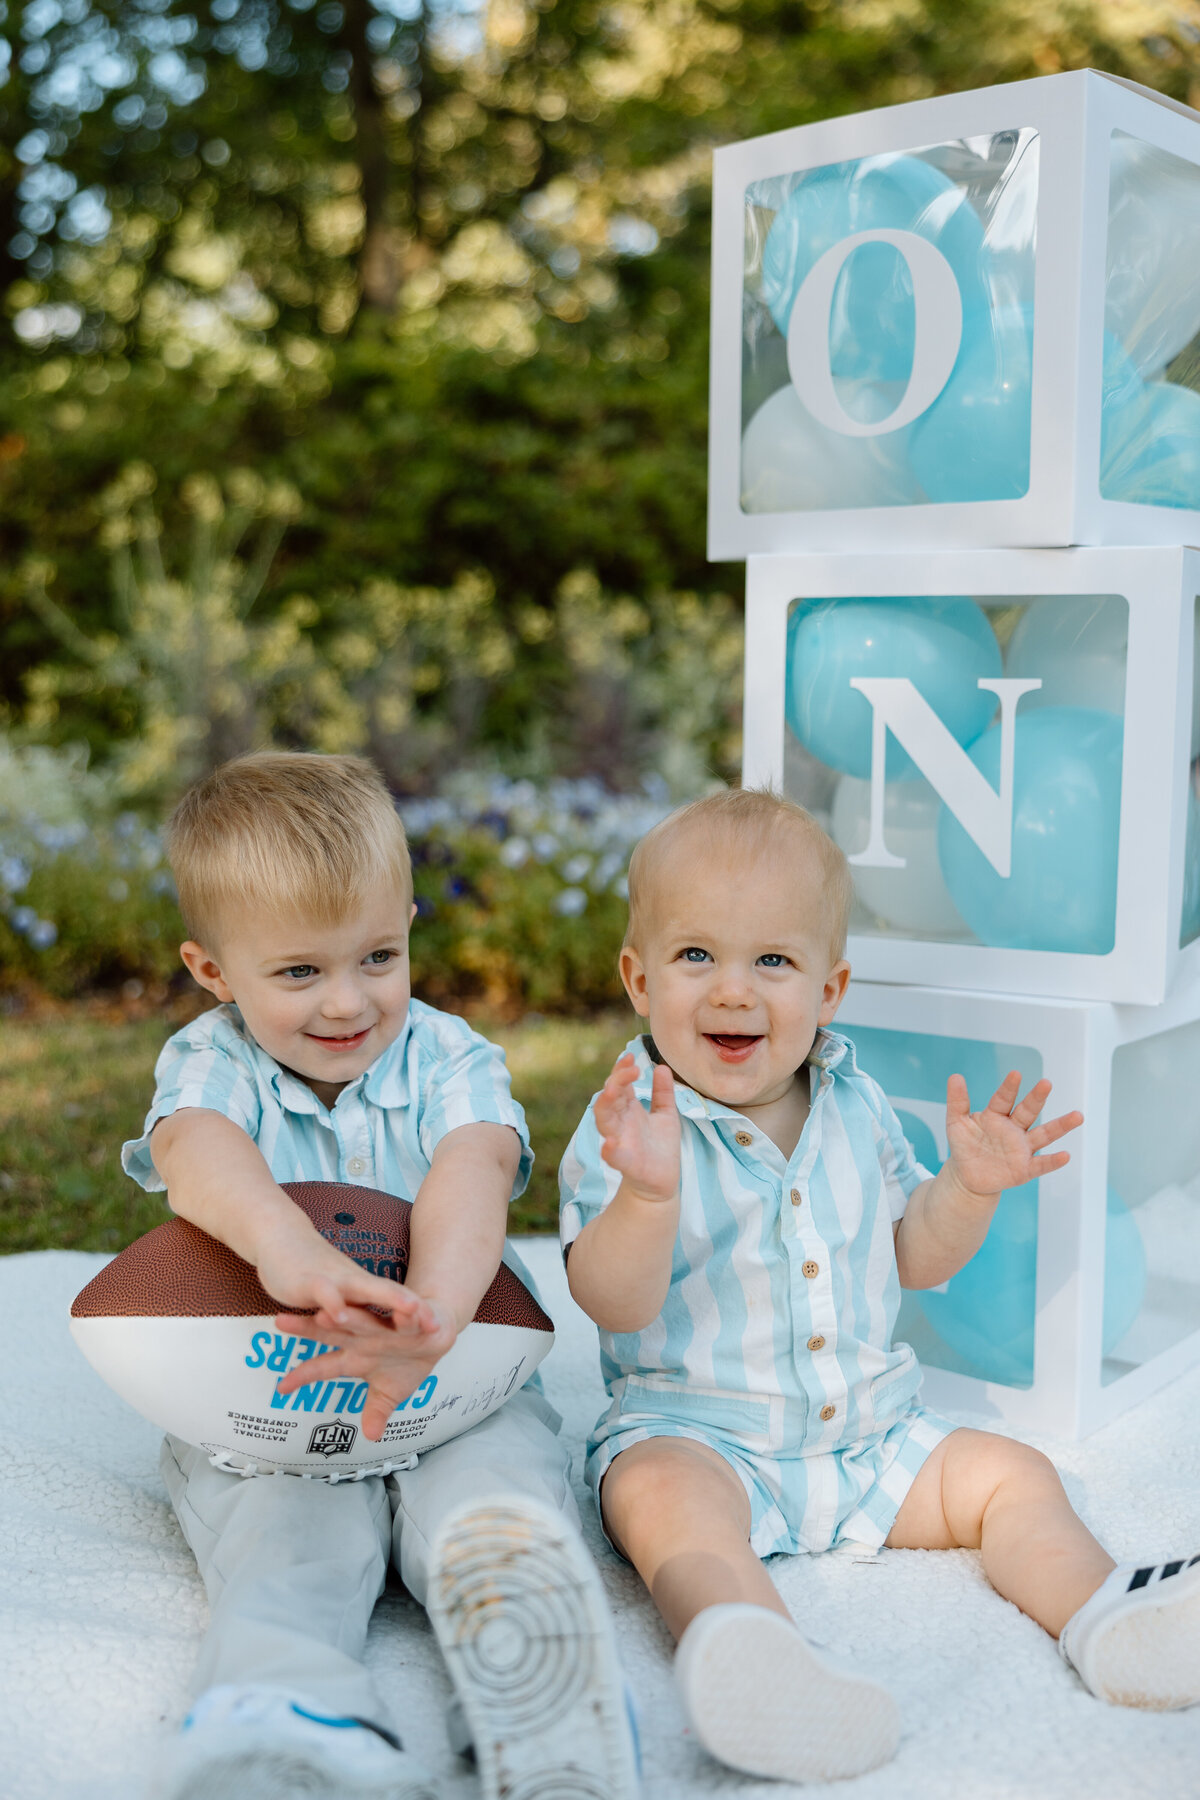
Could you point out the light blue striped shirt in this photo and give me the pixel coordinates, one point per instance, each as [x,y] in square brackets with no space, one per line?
[385,1125]
[784,1288]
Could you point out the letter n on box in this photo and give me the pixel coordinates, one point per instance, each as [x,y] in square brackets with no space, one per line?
[1085,1297]
[968,320]
[1006,744]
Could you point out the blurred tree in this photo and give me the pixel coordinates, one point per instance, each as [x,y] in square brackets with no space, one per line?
[440,265]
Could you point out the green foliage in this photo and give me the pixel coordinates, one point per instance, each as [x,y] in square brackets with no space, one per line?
[443,275]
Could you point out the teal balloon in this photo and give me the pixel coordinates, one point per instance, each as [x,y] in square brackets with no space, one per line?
[1159,464]
[973,442]
[872,318]
[942,645]
[921,1139]
[1061,893]
[988,1311]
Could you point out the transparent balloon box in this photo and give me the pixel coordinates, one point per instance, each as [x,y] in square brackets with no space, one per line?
[1085,1296]
[1006,744]
[973,319]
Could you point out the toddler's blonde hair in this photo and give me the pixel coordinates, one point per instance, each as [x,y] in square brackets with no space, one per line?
[746,824]
[287,832]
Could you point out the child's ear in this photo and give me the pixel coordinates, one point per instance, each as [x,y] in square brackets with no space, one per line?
[634,977]
[836,983]
[206,970]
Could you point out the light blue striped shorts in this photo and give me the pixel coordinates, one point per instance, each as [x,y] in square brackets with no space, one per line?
[798,1504]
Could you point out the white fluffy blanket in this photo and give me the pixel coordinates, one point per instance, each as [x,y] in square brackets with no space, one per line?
[101,1609]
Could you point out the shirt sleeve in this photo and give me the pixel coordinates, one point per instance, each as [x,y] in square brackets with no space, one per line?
[204,1074]
[469,1085]
[586,1183]
[897,1158]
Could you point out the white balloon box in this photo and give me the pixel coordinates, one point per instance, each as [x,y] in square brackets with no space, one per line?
[1006,744]
[973,319]
[1085,1297]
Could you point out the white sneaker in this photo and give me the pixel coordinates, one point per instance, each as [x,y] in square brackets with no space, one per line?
[259,1744]
[761,1700]
[1136,1642]
[523,1623]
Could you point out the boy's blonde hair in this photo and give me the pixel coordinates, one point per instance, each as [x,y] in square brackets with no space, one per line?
[287,832]
[746,824]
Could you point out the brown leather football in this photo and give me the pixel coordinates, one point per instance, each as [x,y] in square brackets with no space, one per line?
[184,1331]
[178,1271]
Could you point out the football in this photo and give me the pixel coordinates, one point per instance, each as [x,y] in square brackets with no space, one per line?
[183,1330]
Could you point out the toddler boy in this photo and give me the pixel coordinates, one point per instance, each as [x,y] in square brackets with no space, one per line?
[740,1210]
[295,884]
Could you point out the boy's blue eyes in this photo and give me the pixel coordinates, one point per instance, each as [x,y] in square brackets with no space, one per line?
[378,959]
[770,959]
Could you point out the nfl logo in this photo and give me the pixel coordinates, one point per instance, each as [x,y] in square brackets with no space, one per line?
[332,1439]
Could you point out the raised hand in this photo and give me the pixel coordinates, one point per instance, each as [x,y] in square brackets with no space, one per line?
[643,1146]
[998,1147]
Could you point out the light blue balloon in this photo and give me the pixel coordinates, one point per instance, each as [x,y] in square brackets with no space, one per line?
[1124,421]
[872,318]
[942,645]
[1062,891]
[1160,460]
[989,1308]
[973,442]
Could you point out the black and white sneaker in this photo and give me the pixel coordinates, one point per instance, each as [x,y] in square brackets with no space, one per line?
[1136,1642]
[523,1623]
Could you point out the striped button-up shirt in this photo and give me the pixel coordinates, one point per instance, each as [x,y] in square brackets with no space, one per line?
[385,1125]
[784,1288]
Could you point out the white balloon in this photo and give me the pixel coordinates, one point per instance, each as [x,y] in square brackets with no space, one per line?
[1155,1131]
[1078,645]
[913,899]
[1152,284]
[792,464]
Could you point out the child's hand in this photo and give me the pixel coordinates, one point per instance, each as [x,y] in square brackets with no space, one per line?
[643,1146]
[393,1354]
[997,1148]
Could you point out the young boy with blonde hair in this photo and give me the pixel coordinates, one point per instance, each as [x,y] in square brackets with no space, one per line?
[740,1210]
[295,884]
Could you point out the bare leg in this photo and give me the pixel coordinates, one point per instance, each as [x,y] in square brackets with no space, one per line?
[980,1492]
[759,1698]
[679,1513]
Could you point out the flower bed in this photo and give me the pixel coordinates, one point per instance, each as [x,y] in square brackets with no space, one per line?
[520,894]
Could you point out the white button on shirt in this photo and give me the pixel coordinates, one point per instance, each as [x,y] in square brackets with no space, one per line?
[770,1300]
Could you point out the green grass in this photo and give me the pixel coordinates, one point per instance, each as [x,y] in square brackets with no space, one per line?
[74,1087]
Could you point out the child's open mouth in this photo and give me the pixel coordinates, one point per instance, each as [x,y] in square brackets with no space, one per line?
[339,1043]
[733,1046]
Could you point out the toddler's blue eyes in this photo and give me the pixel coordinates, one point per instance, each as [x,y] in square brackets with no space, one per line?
[301,970]
[773,959]
[694,955]
[380,956]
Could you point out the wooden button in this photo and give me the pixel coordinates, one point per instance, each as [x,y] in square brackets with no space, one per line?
[797,1196]
[827,1413]
[816,1343]
[811,1269]
[743,1138]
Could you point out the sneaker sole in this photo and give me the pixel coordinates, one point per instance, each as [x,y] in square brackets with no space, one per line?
[763,1702]
[1148,1655]
[522,1621]
[265,1772]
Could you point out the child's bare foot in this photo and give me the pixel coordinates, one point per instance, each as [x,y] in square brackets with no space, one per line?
[760,1699]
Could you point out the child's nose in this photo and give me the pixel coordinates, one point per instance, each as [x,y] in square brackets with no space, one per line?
[343,997]
[733,987]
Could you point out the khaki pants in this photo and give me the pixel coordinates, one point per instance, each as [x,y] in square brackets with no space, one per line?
[293,1568]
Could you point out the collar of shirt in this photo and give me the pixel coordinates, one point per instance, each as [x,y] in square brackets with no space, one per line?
[384,1083]
[830,1054]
